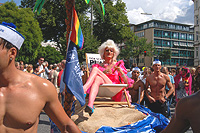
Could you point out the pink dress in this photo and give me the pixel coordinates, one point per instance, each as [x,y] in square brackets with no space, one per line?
[115,77]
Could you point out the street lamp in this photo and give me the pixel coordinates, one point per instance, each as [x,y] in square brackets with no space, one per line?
[144,13]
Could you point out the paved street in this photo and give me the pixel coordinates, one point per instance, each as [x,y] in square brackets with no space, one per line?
[44,124]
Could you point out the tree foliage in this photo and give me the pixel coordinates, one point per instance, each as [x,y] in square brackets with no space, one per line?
[52,19]
[115,24]
[51,55]
[165,55]
[28,26]
[135,47]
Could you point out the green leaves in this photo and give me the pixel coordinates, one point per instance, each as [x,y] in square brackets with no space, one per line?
[27,25]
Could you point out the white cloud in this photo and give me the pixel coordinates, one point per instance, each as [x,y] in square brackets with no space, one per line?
[166,10]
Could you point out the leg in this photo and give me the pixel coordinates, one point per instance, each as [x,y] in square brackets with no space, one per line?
[94,90]
[95,71]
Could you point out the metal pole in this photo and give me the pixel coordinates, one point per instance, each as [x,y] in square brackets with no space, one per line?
[91,19]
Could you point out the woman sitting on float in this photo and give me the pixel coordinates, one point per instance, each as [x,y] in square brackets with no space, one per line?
[108,72]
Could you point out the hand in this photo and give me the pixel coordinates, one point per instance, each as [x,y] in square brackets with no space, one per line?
[107,71]
[43,70]
[151,99]
[162,100]
[63,93]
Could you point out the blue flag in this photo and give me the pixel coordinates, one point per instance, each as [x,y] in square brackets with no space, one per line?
[72,74]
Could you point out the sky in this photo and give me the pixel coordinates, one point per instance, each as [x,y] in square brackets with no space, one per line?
[179,11]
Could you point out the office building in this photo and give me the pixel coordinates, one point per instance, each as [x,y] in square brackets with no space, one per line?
[177,37]
[196,32]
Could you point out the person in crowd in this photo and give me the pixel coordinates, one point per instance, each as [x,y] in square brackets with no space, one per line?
[29,68]
[62,84]
[54,78]
[60,79]
[170,98]
[196,82]
[108,72]
[173,72]
[192,71]
[184,82]
[22,67]
[50,72]
[24,95]
[17,65]
[84,74]
[45,66]
[137,89]
[129,74]
[41,72]
[36,69]
[155,89]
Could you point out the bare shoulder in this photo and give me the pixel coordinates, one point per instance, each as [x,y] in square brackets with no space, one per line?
[189,106]
[45,87]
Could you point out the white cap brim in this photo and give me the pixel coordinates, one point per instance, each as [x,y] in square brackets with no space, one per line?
[11,35]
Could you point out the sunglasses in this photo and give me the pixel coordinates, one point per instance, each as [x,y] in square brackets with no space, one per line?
[42,60]
[136,72]
[107,50]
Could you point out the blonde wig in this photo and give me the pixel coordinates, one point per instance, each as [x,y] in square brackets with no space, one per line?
[109,44]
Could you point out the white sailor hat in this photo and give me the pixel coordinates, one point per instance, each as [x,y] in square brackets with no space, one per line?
[8,32]
[136,69]
[156,62]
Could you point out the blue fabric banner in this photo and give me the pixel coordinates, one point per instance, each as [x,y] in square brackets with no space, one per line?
[153,123]
[72,74]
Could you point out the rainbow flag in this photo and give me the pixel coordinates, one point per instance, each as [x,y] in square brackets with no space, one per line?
[76,32]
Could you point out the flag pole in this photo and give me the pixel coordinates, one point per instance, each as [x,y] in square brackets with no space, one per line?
[68,97]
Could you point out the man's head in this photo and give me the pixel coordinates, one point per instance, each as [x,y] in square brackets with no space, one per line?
[135,73]
[63,62]
[10,38]
[165,70]
[40,60]
[36,68]
[156,65]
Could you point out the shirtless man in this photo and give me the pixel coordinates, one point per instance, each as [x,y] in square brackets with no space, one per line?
[156,94]
[24,95]
[186,115]
[138,87]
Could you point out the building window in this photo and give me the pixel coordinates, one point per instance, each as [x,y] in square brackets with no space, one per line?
[197,20]
[197,52]
[151,24]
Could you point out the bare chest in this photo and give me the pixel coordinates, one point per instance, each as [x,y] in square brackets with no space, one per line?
[20,108]
[157,82]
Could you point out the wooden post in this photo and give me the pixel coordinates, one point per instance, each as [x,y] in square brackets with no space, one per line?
[68,97]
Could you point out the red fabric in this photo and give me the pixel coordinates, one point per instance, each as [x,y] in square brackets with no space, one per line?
[59,78]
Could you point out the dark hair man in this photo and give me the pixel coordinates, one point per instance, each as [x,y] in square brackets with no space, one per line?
[24,95]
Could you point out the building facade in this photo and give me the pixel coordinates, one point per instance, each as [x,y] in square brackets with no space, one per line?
[196,32]
[177,37]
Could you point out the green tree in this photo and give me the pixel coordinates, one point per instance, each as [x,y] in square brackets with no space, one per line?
[28,26]
[52,19]
[135,47]
[51,55]
[165,55]
[115,24]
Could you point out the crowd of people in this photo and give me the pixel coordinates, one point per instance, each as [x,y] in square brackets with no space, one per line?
[184,82]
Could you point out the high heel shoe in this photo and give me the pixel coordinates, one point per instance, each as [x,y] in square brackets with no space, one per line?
[89,110]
